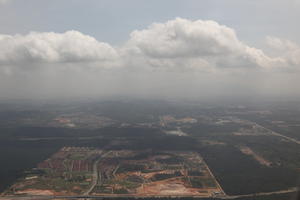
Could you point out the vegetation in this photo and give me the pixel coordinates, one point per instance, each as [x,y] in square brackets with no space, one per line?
[158,177]
[243,175]
[22,146]
[195,173]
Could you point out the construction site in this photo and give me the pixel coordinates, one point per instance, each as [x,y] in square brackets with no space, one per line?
[92,171]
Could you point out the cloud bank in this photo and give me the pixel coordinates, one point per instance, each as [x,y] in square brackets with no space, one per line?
[207,43]
[164,55]
[176,44]
[289,51]
[71,46]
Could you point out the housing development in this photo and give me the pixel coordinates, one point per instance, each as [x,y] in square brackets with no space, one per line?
[90,171]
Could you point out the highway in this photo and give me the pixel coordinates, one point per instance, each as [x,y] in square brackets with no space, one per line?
[278,134]
[96,175]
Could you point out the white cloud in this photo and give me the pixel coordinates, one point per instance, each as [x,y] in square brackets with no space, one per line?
[286,49]
[206,41]
[177,45]
[69,47]
[184,38]
[151,63]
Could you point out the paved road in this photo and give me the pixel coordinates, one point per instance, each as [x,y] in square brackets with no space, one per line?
[286,137]
[278,134]
[261,194]
[133,196]
[96,175]
[212,175]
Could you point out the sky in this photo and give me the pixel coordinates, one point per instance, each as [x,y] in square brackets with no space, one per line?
[175,49]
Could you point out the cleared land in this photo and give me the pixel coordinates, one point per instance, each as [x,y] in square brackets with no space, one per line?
[246,150]
[90,171]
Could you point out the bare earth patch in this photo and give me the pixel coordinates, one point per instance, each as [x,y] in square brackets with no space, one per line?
[35,192]
[258,158]
[165,188]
